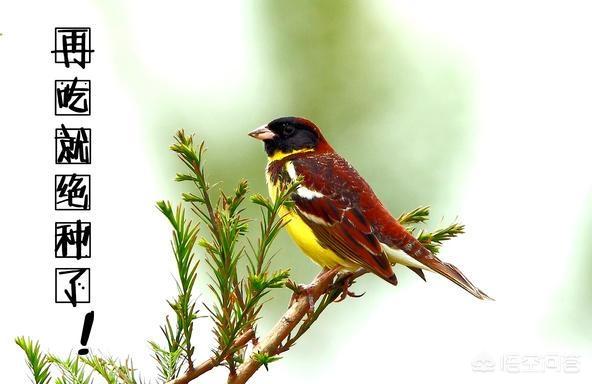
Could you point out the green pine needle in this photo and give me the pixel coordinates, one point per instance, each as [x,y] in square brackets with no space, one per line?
[37,361]
[434,240]
[264,359]
[418,215]
[73,372]
[238,295]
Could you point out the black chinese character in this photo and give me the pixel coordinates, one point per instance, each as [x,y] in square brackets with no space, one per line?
[72,45]
[72,239]
[72,97]
[72,192]
[72,145]
[72,285]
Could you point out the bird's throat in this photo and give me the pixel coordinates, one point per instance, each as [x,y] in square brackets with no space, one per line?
[278,155]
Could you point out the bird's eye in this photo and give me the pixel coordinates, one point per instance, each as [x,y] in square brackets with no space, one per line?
[288,130]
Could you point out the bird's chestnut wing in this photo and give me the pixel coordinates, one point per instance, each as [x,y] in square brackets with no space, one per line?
[327,200]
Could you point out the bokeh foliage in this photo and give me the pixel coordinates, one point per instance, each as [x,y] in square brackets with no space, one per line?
[388,100]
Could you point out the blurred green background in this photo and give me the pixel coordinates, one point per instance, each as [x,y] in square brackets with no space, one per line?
[480,109]
[396,107]
[395,102]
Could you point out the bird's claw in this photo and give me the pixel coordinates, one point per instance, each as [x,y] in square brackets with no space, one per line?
[300,290]
[345,292]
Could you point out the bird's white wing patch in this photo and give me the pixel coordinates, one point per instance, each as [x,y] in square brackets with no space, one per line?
[399,256]
[314,218]
[302,191]
[308,193]
[291,170]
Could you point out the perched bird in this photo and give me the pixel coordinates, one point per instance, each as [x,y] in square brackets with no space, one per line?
[336,218]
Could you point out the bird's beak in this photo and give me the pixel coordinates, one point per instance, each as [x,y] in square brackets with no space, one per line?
[262,133]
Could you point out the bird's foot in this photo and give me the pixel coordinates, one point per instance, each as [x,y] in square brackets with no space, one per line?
[302,290]
[346,282]
[308,290]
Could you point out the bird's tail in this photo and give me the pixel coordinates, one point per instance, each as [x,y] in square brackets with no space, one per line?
[407,250]
[453,274]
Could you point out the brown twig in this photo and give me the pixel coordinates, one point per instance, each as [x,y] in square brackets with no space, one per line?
[270,343]
[212,362]
[331,294]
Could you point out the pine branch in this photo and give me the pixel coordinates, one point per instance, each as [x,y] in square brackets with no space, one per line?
[226,226]
[332,293]
[102,368]
[431,240]
[238,297]
[193,160]
[418,215]
[72,371]
[238,300]
[37,361]
[184,239]
[326,292]
[281,330]
[211,363]
[260,279]
[112,370]
[434,240]
[168,361]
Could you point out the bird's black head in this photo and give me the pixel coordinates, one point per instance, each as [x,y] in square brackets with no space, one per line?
[289,134]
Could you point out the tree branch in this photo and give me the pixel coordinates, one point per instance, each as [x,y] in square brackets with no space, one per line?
[239,298]
[270,343]
[213,362]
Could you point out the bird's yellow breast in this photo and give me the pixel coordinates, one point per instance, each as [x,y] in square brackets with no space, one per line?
[305,238]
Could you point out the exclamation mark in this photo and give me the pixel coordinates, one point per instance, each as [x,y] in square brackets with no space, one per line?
[88,322]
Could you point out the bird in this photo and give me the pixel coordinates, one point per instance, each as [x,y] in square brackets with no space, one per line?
[336,219]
